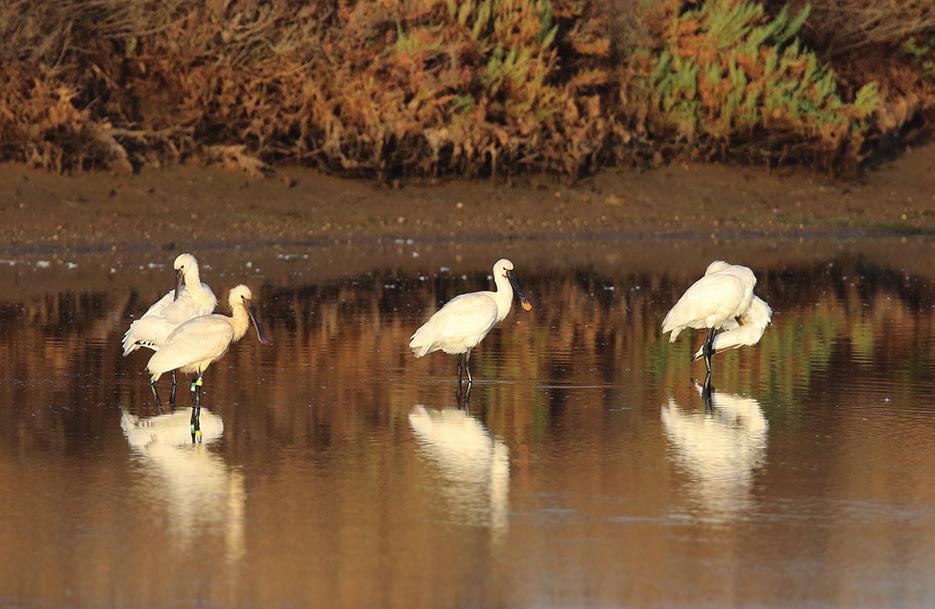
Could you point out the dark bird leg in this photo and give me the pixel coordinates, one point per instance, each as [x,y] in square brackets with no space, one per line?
[156,401]
[196,410]
[467,367]
[460,374]
[708,350]
[172,395]
[706,394]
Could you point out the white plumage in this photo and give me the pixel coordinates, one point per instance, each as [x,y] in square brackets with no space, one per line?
[475,466]
[719,449]
[722,299]
[190,299]
[462,323]
[723,293]
[199,342]
[466,319]
[754,321]
[202,495]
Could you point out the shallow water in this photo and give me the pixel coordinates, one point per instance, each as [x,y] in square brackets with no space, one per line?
[585,471]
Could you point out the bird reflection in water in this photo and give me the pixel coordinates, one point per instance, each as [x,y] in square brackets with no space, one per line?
[474,467]
[200,491]
[719,448]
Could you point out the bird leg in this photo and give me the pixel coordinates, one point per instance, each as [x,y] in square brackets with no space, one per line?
[706,394]
[156,400]
[172,395]
[196,410]
[708,350]
[467,366]
[460,374]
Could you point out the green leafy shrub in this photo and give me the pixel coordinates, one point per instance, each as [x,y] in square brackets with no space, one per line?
[726,73]
[422,87]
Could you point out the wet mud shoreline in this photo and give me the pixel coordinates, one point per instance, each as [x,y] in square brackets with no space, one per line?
[193,207]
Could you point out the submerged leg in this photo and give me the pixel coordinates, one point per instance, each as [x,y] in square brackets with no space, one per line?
[156,400]
[172,395]
[467,366]
[706,394]
[708,349]
[196,410]
[460,374]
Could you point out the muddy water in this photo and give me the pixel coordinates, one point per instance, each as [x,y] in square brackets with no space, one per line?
[585,471]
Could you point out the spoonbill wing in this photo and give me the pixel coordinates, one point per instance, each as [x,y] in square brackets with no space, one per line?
[186,307]
[708,302]
[198,340]
[755,319]
[159,308]
[166,314]
[465,316]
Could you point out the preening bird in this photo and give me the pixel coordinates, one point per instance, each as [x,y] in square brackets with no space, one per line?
[723,295]
[190,299]
[466,319]
[745,332]
[199,342]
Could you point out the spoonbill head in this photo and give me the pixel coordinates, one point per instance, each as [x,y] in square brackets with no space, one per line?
[722,295]
[190,299]
[186,272]
[465,320]
[199,342]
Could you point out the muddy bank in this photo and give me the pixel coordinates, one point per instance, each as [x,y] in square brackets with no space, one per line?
[619,262]
[194,207]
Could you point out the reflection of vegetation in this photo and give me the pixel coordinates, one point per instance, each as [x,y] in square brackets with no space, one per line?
[317,424]
[339,343]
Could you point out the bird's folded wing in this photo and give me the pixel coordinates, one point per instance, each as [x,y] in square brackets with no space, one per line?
[158,308]
[711,295]
[466,315]
[194,341]
[185,308]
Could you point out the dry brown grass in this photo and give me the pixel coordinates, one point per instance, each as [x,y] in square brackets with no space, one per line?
[378,88]
[840,27]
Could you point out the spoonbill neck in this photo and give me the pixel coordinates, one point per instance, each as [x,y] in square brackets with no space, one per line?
[192,278]
[503,296]
[239,320]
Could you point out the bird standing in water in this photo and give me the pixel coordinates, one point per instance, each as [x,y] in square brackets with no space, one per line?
[198,343]
[190,299]
[722,299]
[466,319]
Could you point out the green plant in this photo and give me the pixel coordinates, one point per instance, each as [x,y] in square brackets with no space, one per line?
[726,72]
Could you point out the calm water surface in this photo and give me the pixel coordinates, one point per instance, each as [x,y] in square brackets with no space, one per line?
[338,471]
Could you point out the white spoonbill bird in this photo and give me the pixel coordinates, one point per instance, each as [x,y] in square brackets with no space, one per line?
[743,332]
[466,319]
[199,342]
[191,298]
[723,294]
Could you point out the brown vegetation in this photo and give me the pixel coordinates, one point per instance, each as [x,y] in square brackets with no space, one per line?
[434,87]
